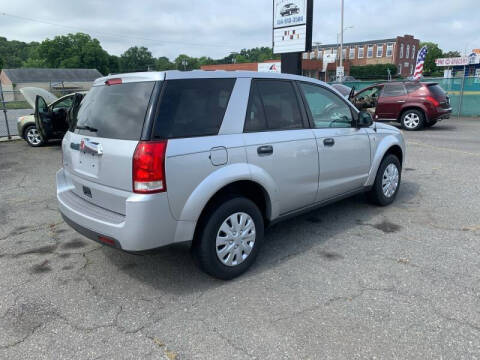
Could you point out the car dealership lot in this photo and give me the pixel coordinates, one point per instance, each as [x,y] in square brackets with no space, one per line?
[350,280]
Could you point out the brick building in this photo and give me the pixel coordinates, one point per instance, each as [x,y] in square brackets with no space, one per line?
[401,51]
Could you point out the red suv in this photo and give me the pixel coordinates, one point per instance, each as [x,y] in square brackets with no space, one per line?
[414,104]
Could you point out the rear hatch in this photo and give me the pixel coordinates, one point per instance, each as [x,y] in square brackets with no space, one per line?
[99,148]
[439,94]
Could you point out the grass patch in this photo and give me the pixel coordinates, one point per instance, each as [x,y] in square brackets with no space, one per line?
[13,105]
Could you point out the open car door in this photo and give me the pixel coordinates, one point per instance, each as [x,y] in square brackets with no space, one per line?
[43,117]
[73,111]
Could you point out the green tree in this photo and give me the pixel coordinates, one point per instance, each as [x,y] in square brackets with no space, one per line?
[185,62]
[433,53]
[73,51]
[451,54]
[13,53]
[163,63]
[113,64]
[136,59]
[33,63]
[373,72]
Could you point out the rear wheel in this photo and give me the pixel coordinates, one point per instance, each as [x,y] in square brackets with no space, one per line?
[229,238]
[387,181]
[412,120]
[32,136]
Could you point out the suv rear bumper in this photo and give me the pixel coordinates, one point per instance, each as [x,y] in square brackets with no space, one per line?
[147,223]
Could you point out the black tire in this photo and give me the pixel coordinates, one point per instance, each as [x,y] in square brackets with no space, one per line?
[376,194]
[29,140]
[431,123]
[414,114]
[204,247]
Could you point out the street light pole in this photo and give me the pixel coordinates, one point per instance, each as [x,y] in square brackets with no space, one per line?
[341,38]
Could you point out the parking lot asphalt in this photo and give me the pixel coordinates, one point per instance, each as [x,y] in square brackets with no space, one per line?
[348,281]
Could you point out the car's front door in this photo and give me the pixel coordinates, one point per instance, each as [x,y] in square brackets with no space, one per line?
[280,143]
[391,101]
[43,117]
[344,149]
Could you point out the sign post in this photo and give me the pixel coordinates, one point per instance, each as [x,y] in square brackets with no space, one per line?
[292,32]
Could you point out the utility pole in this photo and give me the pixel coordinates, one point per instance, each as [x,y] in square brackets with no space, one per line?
[341,38]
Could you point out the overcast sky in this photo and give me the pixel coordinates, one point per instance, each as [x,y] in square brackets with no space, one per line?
[217,27]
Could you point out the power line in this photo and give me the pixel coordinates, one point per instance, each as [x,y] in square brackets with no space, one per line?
[116,35]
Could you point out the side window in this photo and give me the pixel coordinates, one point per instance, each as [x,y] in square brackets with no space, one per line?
[328,110]
[65,103]
[192,107]
[412,87]
[273,105]
[255,120]
[391,90]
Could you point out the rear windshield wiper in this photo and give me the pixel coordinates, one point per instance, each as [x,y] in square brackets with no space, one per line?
[86,127]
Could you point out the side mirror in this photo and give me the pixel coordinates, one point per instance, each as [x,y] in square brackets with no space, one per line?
[364,119]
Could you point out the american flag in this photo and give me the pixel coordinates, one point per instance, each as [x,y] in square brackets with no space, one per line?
[422,53]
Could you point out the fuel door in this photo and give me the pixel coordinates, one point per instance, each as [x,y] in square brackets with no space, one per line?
[218,155]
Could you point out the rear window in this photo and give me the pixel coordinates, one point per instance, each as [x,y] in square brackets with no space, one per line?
[192,107]
[115,111]
[436,91]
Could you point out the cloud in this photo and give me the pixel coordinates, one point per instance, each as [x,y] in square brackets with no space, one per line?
[215,28]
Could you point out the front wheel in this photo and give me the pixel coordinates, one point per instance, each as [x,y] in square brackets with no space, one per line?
[229,239]
[387,181]
[412,120]
[32,136]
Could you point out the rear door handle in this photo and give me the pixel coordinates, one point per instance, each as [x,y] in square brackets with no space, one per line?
[265,150]
[328,142]
[400,101]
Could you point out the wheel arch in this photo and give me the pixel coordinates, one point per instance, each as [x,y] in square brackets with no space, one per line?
[249,189]
[417,107]
[389,145]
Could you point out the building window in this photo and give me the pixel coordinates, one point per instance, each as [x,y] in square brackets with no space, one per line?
[305,56]
[334,52]
[379,50]
[370,51]
[361,50]
[389,49]
[344,53]
[407,53]
[401,51]
[411,69]
[312,55]
[400,69]
[352,53]
[320,54]
[413,51]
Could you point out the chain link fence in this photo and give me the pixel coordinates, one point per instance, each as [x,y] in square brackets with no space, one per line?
[13,105]
[464,93]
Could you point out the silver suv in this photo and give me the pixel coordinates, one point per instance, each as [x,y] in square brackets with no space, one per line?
[158,158]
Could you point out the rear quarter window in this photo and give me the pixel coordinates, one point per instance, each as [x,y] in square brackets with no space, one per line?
[436,90]
[115,111]
[192,107]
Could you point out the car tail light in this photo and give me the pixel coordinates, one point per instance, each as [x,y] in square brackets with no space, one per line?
[433,101]
[149,167]
[115,81]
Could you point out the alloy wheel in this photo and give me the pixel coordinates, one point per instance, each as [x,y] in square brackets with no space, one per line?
[411,120]
[33,136]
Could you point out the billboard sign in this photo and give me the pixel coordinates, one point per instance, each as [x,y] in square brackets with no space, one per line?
[292,26]
[275,67]
[452,61]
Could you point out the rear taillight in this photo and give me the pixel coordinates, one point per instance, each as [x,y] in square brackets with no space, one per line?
[432,100]
[149,167]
